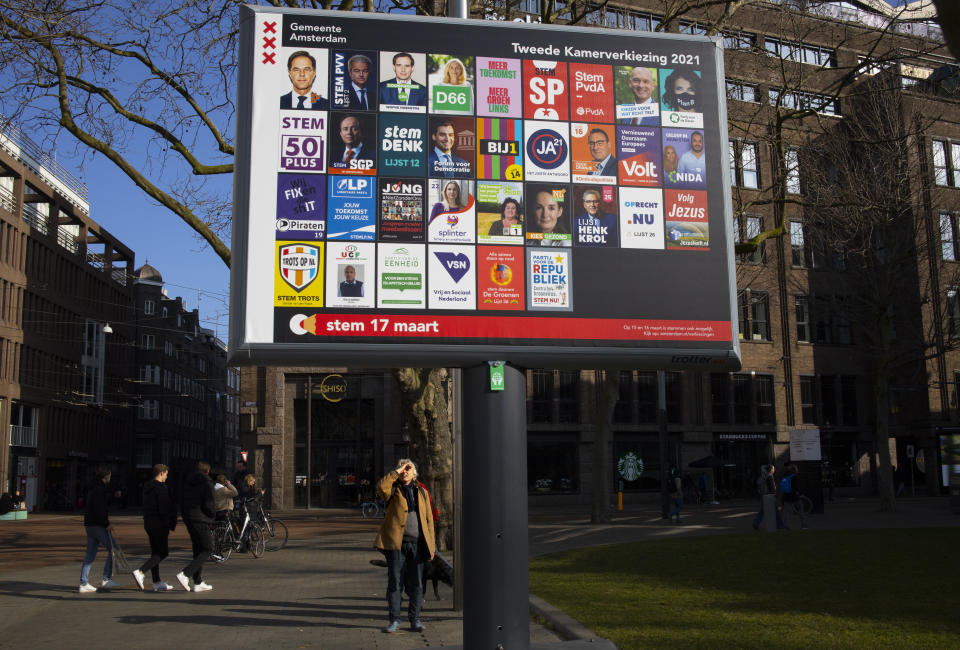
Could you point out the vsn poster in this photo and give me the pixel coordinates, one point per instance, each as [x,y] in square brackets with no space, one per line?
[453,277]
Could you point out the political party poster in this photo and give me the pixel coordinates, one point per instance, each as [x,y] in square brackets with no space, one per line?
[547,145]
[687,226]
[353,144]
[638,152]
[304,83]
[452,211]
[351,208]
[303,144]
[353,80]
[545,91]
[499,149]
[452,277]
[499,87]
[591,92]
[500,278]
[499,213]
[684,159]
[403,145]
[549,280]
[401,276]
[681,98]
[593,153]
[351,274]
[637,94]
[641,218]
[548,215]
[595,218]
[301,206]
[452,147]
[298,274]
[451,84]
[401,209]
[403,82]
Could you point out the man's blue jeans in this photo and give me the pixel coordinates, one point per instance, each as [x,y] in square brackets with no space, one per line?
[405,570]
[96,536]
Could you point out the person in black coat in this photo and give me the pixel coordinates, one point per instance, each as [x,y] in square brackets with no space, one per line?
[97,523]
[159,518]
[198,511]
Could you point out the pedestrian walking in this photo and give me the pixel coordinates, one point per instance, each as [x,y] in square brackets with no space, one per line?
[766,485]
[407,540]
[97,523]
[677,495]
[159,520]
[198,512]
[788,494]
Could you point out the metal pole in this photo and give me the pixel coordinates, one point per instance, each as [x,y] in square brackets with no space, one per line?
[309,425]
[457,9]
[662,428]
[457,375]
[496,579]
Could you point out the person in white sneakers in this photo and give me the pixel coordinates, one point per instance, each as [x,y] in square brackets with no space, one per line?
[98,527]
[198,511]
[159,519]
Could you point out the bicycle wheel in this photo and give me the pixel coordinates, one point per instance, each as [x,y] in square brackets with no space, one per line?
[804,505]
[369,509]
[276,534]
[256,542]
[223,544]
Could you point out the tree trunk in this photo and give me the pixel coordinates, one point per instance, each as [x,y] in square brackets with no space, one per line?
[423,394]
[882,435]
[609,387]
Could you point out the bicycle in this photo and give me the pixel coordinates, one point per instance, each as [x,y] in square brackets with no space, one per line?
[275,533]
[372,509]
[226,539]
[801,506]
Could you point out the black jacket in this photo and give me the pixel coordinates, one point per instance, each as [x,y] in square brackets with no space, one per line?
[159,512]
[197,498]
[96,510]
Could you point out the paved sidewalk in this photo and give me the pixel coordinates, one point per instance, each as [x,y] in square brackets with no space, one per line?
[321,591]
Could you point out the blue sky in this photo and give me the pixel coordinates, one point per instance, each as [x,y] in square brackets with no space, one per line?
[189,267]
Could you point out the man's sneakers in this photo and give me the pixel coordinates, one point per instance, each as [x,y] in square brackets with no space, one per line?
[203,586]
[162,586]
[184,581]
[390,629]
[138,576]
[108,583]
[416,626]
[87,588]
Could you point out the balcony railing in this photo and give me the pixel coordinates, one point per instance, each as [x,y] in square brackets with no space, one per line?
[36,219]
[66,239]
[7,200]
[22,436]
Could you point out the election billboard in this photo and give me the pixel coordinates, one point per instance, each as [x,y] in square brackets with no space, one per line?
[438,192]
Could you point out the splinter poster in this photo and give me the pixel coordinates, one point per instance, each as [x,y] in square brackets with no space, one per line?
[429,191]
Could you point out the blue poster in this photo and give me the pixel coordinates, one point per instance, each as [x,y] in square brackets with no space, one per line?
[351,212]
[301,206]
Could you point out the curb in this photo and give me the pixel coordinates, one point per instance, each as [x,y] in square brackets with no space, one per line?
[566,627]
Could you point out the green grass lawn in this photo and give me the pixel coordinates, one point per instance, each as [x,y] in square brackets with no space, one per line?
[831,589]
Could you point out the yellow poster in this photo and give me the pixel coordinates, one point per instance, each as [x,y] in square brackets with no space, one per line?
[298,274]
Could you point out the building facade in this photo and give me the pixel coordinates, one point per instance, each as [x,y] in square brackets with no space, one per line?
[830,342]
[187,396]
[65,349]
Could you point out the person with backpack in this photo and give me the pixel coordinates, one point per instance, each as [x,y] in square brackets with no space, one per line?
[407,540]
[766,485]
[788,494]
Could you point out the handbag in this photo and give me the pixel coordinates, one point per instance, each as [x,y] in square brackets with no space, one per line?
[119,557]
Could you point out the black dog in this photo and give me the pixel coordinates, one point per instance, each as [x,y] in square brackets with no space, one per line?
[436,570]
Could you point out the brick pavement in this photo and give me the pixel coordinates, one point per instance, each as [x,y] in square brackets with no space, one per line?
[320,592]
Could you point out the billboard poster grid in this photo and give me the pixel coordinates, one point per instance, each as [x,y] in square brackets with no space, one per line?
[433,188]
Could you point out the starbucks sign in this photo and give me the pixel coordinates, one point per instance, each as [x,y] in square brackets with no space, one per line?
[630,466]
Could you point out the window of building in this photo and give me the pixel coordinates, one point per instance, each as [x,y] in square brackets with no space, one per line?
[749,172]
[552,463]
[147,341]
[797,246]
[823,320]
[752,398]
[720,398]
[753,312]
[150,374]
[848,399]
[802,309]
[647,397]
[163,312]
[953,312]
[808,399]
[742,92]
[734,40]
[946,163]
[828,398]
[803,101]
[144,453]
[746,228]
[623,409]
[763,392]
[149,409]
[568,392]
[541,401]
[802,52]
[792,169]
[948,236]
[619,18]
[148,307]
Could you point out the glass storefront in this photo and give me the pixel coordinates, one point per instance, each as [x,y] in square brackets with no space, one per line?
[337,429]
